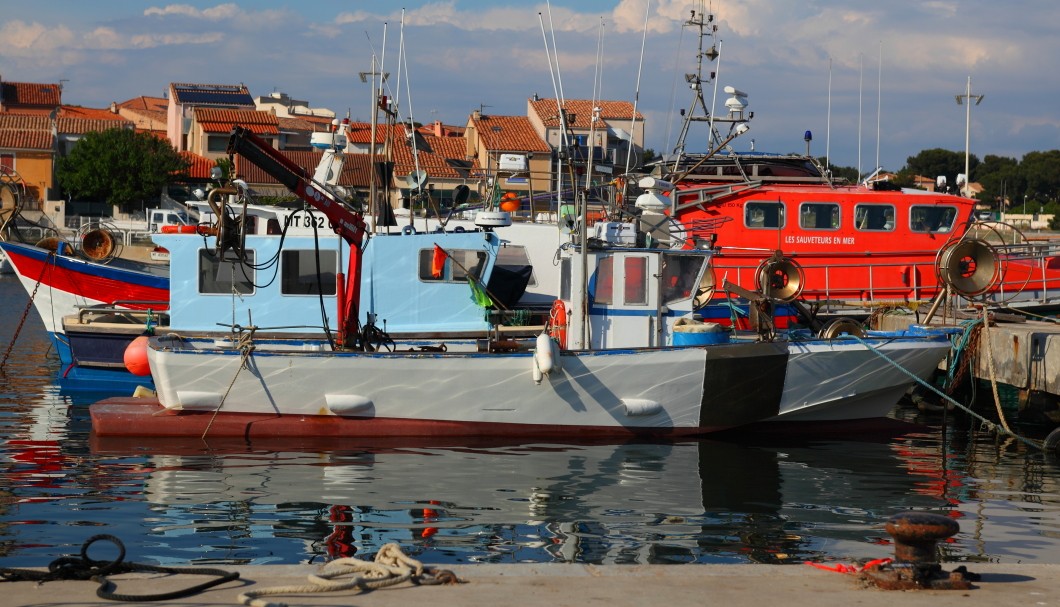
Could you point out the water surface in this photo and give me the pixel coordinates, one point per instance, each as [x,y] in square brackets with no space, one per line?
[744,499]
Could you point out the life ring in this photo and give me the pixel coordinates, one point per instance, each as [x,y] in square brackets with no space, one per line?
[557,323]
[408,230]
[178,229]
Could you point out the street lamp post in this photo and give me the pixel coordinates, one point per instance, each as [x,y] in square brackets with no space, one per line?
[966,100]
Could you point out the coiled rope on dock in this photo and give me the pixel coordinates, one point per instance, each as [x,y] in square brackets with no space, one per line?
[389,568]
[97,570]
[1002,429]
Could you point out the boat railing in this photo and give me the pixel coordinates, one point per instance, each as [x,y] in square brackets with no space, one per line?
[86,314]
[897,282]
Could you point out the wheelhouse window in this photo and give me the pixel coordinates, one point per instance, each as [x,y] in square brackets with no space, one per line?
[924,218]
[458,263]
[679,273]
[761,214]
[603,286]
[219,276]
[299,275]
[636,281]
[819,216]
[874,217]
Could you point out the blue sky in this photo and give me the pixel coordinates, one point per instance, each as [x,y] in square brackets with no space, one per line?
[895,66]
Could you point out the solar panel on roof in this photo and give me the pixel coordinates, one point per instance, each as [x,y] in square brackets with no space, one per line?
[218,97]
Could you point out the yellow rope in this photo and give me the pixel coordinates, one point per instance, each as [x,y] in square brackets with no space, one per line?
[986,345]
[390,567]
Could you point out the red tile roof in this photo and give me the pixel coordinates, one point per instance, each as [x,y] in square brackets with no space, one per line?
[74,111]
[300,124]
[361,132]
[441,157]
[198,166]
[14,94]
[25,121]
[80,126]
[214,120]
[17,139]
[25,132]
[146,104]
[508,134]
[610,111]
[356,170]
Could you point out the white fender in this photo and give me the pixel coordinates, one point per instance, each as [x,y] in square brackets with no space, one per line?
[543,359]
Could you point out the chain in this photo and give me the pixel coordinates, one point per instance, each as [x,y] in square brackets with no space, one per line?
[25,313]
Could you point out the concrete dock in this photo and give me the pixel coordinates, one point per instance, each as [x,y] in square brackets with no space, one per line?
[560,585]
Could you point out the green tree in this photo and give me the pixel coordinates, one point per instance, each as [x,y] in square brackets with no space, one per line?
[1001,181]
[1041,172]
[120,166]
[850,174]
[937,161]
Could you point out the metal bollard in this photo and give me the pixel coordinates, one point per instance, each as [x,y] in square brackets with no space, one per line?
[916,535]
[916,567]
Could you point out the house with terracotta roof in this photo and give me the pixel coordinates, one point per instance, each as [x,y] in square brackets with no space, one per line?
[612,129]
[508,150]
[30,97]
[443,157]
[210,128]
[26,150]
[148,114]
[184,98]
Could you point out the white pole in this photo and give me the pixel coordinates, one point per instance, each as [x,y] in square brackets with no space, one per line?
[967,131]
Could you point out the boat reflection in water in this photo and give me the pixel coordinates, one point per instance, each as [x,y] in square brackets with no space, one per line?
[707,501]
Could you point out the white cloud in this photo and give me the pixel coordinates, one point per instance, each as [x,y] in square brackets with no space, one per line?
[23,39]
[216,13]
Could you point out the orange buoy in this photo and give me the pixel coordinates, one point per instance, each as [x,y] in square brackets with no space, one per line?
[510,205]
[136,357]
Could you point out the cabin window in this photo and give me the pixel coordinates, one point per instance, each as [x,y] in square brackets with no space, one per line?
[299,273]
[764,214]
[819,216]
[874,217]
[225,276]
[603,286]
[636,279]
[923,218]
[679,273]
[458,263]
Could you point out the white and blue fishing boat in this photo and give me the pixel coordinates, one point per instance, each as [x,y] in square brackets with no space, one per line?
[414,354]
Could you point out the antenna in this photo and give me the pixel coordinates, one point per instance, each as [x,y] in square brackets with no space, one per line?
[879,106]
[828,121]
[861,82]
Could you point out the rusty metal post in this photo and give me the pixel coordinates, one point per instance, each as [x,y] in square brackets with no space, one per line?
[916,535]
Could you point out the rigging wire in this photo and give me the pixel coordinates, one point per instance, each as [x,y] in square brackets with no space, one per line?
[636,93]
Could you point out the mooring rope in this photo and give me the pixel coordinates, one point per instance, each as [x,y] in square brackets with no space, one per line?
[990,367]
[87,568]
[987,423]
[390,568]
[246,346]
